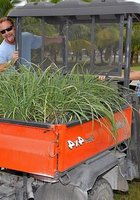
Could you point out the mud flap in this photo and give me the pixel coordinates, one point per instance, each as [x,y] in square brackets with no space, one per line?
[116,179]
[57,191]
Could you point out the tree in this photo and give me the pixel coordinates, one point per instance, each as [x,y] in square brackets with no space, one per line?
[107,39]
[6,5]
[54,1]
[135,50]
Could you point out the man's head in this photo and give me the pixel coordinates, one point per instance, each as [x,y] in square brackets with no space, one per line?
[7,30]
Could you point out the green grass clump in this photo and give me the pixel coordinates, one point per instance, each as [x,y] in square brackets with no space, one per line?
[132,194]
[50,96]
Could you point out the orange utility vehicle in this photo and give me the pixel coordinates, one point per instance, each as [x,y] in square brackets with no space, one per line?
[74,161]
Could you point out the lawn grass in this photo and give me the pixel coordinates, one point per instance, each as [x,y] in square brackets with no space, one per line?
[132,194]
[136,67]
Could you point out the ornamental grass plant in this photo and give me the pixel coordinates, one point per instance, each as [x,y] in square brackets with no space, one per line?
[53,97]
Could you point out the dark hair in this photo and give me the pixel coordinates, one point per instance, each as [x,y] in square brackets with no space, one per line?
[3,19]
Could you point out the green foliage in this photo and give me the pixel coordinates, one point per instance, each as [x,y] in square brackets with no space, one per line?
[134,192]
[52,1]
[13,2]
[87,1]
[107,36]
[77,45]
[52,97]
[31,24]
[34,25]
[6,5]
[55,1]
[136,38]
[80,31]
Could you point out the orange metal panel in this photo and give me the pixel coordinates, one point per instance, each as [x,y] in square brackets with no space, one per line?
[45,151]
[28,149]
[80,142]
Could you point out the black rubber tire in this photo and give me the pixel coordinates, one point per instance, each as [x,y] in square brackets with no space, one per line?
[101,191]
[57,191]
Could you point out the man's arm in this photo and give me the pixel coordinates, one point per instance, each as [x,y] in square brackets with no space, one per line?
[6,65]
[135,75]
[53,40]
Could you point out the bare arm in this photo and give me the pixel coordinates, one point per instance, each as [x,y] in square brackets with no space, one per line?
[53,40]
[135,75]
[6,65]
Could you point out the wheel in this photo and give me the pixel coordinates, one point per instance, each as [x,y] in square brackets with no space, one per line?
[57,191]
[101,191]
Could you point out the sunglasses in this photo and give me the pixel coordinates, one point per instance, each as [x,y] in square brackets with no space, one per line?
[7,29]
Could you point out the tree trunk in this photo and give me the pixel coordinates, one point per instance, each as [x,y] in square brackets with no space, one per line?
[132,57]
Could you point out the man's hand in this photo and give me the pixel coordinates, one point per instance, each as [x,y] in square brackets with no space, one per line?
[101,77]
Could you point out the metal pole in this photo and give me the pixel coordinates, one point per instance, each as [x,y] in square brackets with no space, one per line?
[18,46]
[66,44]
[127,50]
[43,42]
[121,44]
[63,43]
[92,56]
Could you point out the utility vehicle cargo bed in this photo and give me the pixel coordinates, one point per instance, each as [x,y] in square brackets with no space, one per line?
[46,149]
